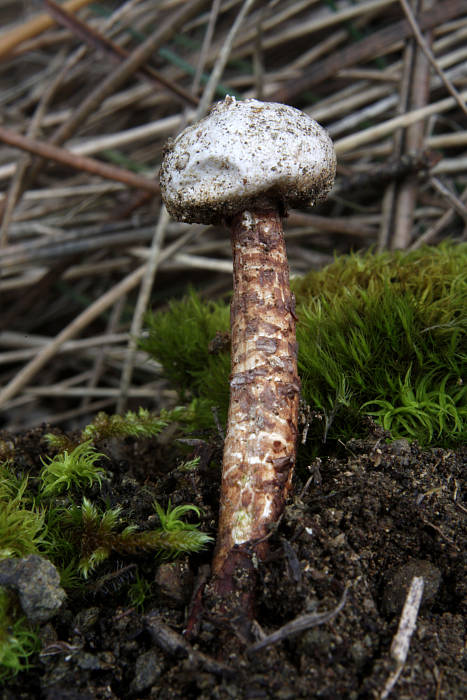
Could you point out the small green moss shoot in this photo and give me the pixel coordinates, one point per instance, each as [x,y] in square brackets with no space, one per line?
[98,535]
[18,640]
[22,532]
[189,465]
[73,469]
[379,334]
[22,524]
[139,592]
[139,425]
[142,424]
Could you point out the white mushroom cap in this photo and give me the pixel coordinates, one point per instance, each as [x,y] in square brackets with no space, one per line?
[243,154]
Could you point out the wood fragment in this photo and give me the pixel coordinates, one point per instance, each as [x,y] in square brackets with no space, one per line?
[299,624]
[174,644]
[401,642]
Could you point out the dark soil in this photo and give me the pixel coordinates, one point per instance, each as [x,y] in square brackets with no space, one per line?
[365,521]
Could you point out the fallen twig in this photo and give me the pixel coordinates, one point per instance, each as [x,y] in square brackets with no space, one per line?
[89,165]
[176,645]
[300,624]
[401,642]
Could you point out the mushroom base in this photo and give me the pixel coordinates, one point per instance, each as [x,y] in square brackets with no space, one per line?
[260,444]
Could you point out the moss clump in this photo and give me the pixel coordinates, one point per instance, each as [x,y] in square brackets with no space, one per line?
[71,469]
[181,340]
[22,524]
[18,640]
[379,334]
[56,509]
[97,534]
[73,531]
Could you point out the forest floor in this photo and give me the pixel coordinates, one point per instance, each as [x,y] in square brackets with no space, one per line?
[353,536]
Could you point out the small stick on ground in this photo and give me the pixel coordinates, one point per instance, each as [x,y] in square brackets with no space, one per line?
[174,644]
[300,624]
[401,642]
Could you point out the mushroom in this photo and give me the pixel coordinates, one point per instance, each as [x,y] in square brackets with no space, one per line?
[245,164]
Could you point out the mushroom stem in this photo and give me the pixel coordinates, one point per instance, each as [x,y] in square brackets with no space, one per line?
[260,444]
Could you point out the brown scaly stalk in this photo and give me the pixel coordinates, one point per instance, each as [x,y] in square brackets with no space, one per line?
[259,450]
[244,164]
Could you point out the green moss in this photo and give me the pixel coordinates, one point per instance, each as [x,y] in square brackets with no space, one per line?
[22,525]
[142,424]
[389,328]
[379,334]
[18,640]
[180,340]
[139,592]
[97,534]
[433,271]
[71,469]
[51,514]
[47,512]
[22,532]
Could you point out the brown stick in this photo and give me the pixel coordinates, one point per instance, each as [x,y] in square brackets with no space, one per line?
[413,139]
[90,165]
[259,450]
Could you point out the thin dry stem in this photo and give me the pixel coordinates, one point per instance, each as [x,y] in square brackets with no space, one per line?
[89,165]
[401,642]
